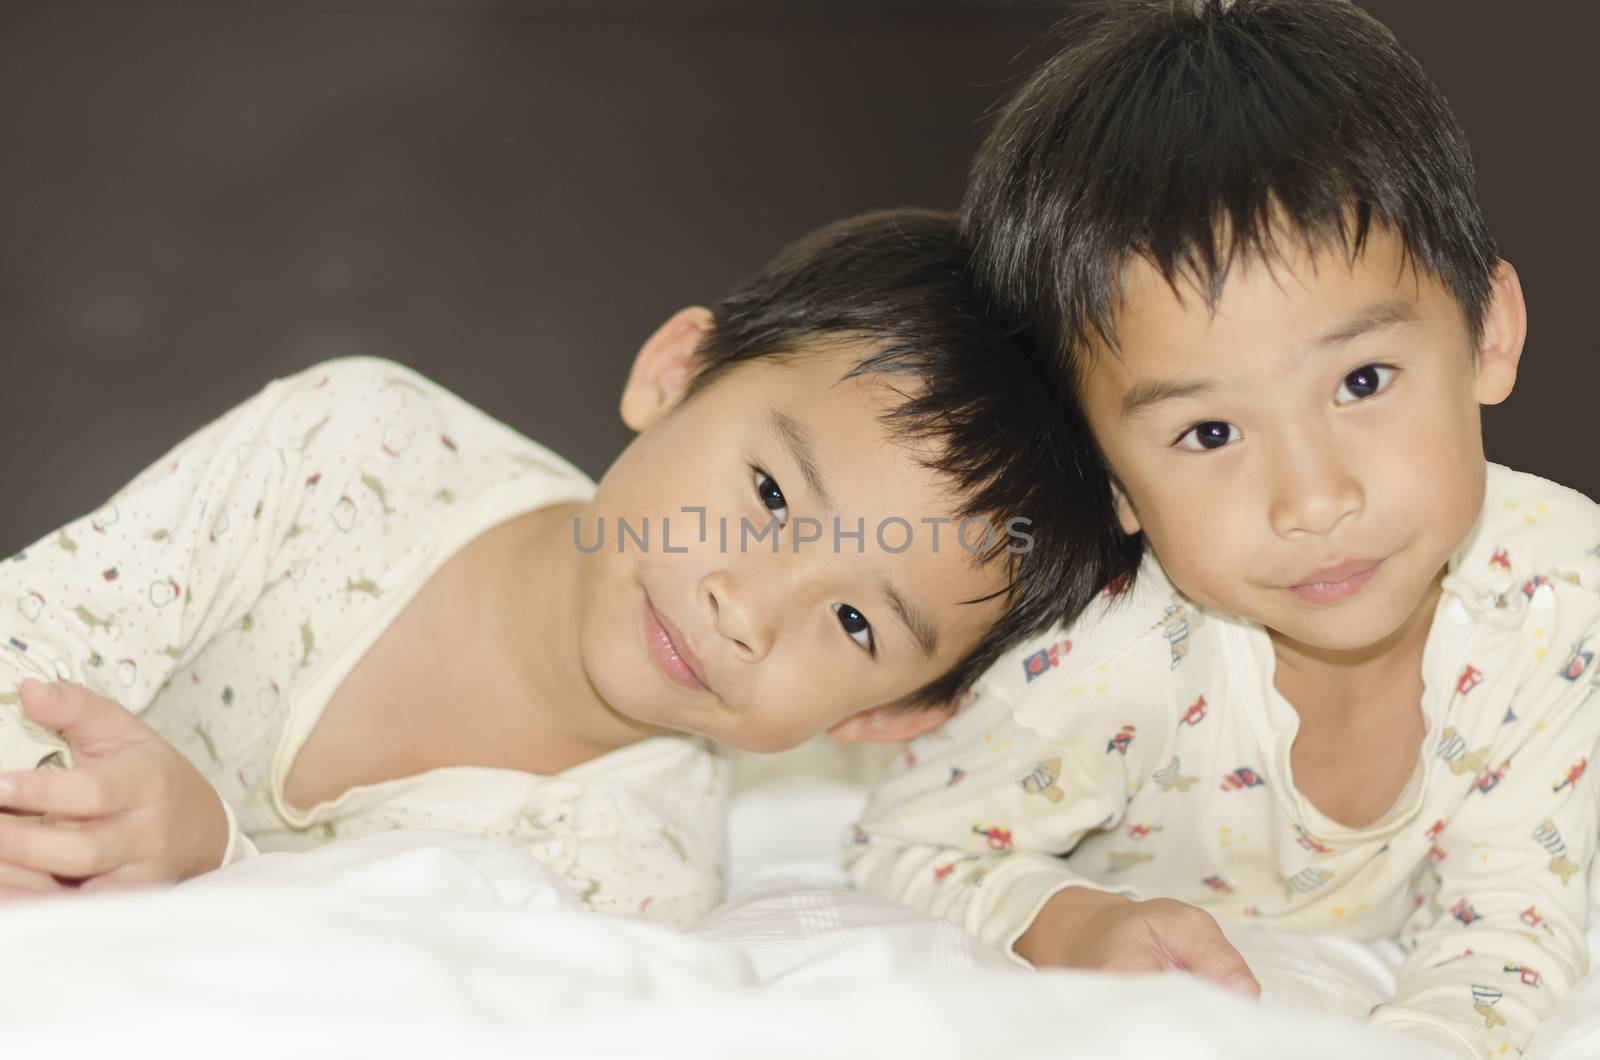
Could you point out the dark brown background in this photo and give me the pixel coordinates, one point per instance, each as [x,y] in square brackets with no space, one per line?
[198,196]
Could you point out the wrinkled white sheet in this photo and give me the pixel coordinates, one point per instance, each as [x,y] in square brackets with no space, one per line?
[785,882]
[413,944]
[437,944]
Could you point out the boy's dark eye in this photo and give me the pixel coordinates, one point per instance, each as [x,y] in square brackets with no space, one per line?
[1364,382]
[771,496]
[1212,434]
[856,624]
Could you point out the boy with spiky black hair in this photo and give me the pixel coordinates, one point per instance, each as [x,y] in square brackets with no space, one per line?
[1352,687]
[355,602]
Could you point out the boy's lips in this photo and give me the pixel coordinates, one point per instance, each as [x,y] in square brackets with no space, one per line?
[670,650]
[1340,581]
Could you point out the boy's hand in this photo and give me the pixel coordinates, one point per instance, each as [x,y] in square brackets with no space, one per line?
[133,810]
[1080,928]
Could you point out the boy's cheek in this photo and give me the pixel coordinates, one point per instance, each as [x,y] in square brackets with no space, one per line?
[1205,549]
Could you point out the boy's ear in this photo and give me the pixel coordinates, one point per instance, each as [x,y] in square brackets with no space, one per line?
[1126,516]
[891,724]
[663,367]
[1505,327]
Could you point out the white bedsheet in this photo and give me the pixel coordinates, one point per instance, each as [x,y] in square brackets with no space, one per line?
[436,944]
[786,884]
[431,944]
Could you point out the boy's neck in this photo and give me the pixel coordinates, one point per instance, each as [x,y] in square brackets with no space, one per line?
[531,582]
[1314,678]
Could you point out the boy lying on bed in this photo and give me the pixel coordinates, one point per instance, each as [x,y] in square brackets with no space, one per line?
[1353,688]
[355,602]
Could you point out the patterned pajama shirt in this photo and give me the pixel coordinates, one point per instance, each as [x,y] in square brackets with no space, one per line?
[1145,750]
[227,591]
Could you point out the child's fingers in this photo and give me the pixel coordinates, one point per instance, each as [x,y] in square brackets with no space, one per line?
[63,792]
[42,701]
[66,849]
[135,875]
[83,717]
[1226,967]
[18,882]
[1201,948]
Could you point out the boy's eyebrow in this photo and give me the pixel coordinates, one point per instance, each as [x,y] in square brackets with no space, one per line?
[1154,391]
[913,617]
[798,441]
[1374,317]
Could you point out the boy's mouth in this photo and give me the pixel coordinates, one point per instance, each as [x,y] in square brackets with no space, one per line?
[670,650]
[1329,585]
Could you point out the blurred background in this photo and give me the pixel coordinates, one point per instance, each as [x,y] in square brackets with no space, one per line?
[509,195]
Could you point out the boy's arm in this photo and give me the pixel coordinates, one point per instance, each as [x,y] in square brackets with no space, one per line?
[132,810]
[976,825]
[1046,748]
[973,824]
[1506,937]
[117,600]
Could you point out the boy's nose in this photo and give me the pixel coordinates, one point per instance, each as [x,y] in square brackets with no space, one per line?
[1314,489]
[737,615]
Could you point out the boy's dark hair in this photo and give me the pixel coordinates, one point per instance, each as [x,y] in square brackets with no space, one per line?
[897,281]
[1191,133]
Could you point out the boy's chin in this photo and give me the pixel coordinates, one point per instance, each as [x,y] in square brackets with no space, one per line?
[1318,640]
[647,718]
[635,716]
[1345,631]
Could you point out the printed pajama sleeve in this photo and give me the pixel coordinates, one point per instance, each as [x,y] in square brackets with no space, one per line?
[121,598]
[1505,938]
[972,827]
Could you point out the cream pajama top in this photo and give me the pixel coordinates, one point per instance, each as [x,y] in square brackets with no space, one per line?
[1145,750]
[226,592]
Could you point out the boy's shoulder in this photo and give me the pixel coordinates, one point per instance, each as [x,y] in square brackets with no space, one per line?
[1531,532]
[1126,628]
[390,414]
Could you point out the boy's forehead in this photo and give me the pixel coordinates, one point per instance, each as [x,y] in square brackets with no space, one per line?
[849,459]
[819,363]
[827,408]
[891,522]
[1299,291]
[834,389]
[836,452]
